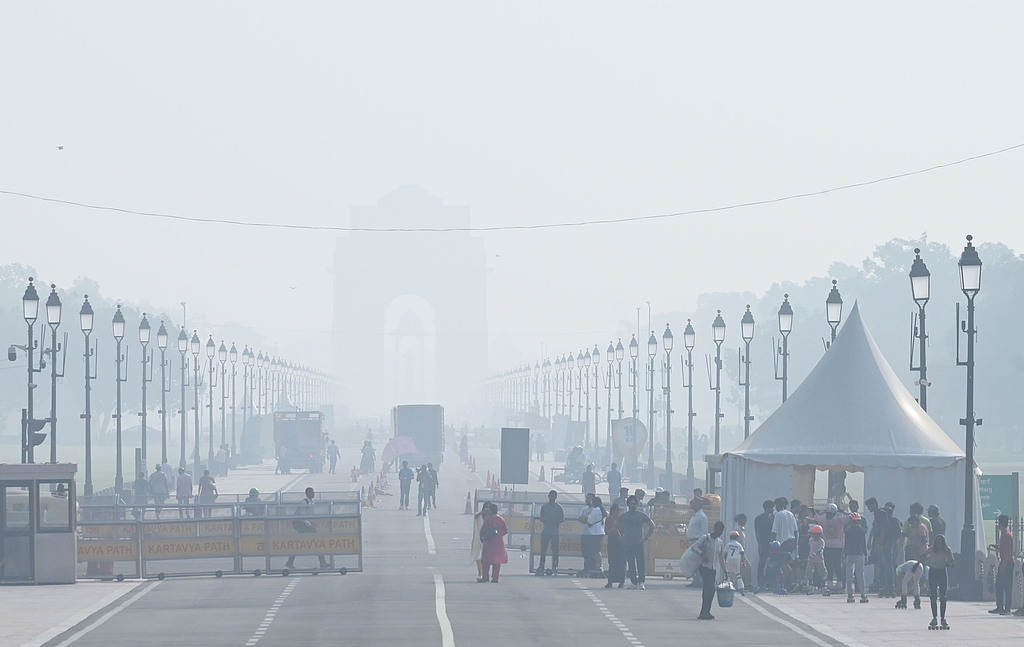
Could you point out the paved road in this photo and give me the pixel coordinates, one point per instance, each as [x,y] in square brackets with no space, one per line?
[419,587]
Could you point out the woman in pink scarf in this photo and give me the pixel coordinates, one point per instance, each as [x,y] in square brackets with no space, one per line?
[492,536]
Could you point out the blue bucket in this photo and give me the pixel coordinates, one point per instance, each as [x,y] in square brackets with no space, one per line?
[725,597]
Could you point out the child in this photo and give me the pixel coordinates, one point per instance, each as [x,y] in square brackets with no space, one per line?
[776,570]
[910,573]
[814,579]
[735,559]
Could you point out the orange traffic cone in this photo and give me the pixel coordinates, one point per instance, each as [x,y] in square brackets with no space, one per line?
[469,504]
[541,473]
[489,479]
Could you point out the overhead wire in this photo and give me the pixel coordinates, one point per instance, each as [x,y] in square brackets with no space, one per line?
[498,228]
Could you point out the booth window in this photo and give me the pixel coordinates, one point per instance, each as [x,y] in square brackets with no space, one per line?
[54,506]
[16,506]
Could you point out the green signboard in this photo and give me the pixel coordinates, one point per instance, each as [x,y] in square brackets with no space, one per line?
[996,495]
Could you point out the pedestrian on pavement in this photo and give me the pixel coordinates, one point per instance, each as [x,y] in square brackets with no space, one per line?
[938,558]
[492,534]
[735,559]
[171,475]
[222,460]
[595,528]
[333,453]
[697,528]
[635,528]
[763,536]
[894,537]
[588,480]
[207,492]
[815,576]
[855,550]
[616,551]
[425,488]
[183,492]
[712,557]
[784,526]
[405,477]
[305,526]
[1004,574]
[585,539]
[621,499]
[551,517]
[141,489]
[434,483]
[909,575]
[159,488]
[614,478]
[832,522]
[476,545]
[938,524]
[879,551]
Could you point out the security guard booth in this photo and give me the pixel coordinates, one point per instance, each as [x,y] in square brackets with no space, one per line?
[38,524]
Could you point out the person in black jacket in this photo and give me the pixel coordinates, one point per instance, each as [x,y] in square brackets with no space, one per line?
[763,535]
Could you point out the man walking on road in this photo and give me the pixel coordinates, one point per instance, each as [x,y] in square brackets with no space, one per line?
[159,489]
[305,526]
[712,554]
[405,477]
[763,535]
[614,478]
[183,492]
[697,528]
[333,453]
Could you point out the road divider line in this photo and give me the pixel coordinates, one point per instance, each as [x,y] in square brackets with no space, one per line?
[109,614]
[447,636]
[262,628]
[431,549]
[827,631]
[603,608]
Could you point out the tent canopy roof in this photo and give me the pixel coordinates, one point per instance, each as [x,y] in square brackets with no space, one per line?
[851,412]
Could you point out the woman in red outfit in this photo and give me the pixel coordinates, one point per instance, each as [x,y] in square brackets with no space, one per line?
[492,536]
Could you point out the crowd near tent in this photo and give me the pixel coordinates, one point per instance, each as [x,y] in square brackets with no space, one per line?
[852,413]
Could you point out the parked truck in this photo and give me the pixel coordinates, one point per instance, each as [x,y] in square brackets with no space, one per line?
[300,440]
[419,433]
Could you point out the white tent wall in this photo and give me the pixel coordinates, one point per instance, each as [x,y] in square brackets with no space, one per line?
[747,484]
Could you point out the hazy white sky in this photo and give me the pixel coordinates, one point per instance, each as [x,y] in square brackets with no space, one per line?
[527,112]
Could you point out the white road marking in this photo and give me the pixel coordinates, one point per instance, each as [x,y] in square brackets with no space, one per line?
[786,623]
[269,617]
[430,538]
[603,608]
[106,616]
[447,637]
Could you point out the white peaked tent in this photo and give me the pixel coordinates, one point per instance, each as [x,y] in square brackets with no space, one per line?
[851,413]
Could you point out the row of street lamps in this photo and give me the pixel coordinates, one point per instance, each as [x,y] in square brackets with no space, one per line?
[267,382]
[520,388]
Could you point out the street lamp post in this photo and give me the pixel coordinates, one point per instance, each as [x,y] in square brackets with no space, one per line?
[161,343]
[689,341]
[546,368]
[610,353]
[118,329]
[147,377]
[584,373]
[569,371]
[652,351]
[785,327]
[260,360]
[920,287]
[29,425]
[747,332]
[970,284]
[222,356]
[233,356]
[833,309]
[183,349]
[620,353]
[53,311]
[195,346]
[247,362]
[595,358]
[718,336]
[667,343]
[211,351]
[85,315]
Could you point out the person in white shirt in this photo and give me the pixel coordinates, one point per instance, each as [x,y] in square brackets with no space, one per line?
[697,528]
[784,526]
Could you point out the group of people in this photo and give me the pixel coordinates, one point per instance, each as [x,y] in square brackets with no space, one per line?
[158,486]
[426,478]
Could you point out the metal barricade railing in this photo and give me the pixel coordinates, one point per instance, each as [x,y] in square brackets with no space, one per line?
[516,507]
[254,537]
[569,533]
